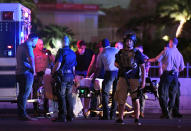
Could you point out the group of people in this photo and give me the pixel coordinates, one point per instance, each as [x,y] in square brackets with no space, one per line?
[123,68]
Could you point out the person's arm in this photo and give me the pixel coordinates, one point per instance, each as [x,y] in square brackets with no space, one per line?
[143,75]
[160,68]
[74,68]
[98,68]
[56,67]
[90,68]
[58,62]
[116,64]
[117,58]
[158,58]
[31,59]
[181,68]
[32,63]
[51,58]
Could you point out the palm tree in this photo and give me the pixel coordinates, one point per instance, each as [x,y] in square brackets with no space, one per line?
[179,10]
[52,34]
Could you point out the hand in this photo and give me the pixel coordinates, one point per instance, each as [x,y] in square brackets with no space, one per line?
[143,85]
[32,71]
[48,52]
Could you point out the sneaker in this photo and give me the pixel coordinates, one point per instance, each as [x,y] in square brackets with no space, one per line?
[69,119]
[137,122]
[177,115]
[119,121]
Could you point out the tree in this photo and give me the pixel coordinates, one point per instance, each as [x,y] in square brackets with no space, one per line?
[179,10]
[52,35]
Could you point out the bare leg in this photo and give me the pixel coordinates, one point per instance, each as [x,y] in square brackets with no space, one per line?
[136,108]
[121,110]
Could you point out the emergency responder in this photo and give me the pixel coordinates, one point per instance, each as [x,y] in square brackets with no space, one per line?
[172,63]
[65,66]
[128,60]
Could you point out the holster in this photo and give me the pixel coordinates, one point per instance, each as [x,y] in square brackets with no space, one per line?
[56,83]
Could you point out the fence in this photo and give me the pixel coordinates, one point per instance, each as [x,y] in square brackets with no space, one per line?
[186,73]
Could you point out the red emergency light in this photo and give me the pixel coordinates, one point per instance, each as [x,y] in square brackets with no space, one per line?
[7,15]
[9,46]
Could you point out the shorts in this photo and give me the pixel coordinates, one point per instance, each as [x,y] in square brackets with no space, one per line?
[123,89]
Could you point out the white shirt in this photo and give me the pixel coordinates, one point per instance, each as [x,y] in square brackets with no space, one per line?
[171,59]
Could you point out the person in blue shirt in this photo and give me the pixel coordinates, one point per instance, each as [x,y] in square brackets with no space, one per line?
[65,65]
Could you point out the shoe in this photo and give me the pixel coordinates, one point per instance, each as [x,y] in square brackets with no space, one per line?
[27,118]
[137,122]
[177,115]
[112,117]
[37,114]
[47,115]
[165,117]
[59,120]
[119,121]
[141,115]
[70,119]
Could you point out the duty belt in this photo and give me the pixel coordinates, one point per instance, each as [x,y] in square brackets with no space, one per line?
[171,72]
[66,71]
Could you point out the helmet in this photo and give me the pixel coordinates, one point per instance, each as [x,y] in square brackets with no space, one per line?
[131,37]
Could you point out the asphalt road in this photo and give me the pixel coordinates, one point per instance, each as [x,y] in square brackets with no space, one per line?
[151,122]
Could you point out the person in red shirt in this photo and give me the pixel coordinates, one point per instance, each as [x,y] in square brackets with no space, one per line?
[43,59]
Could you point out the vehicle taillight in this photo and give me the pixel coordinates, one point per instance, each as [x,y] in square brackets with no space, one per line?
[7,15]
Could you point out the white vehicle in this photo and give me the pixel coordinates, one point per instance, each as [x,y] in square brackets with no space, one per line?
[15,25]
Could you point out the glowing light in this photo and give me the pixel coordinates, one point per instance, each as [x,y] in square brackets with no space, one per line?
[9,46]
[180,27]
[22,41]
[10,53]
[22,34]
[166,38]
[58,43]
[26,15]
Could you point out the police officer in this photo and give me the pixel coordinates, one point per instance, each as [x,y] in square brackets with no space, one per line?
[128,60]
[65,64]
[106,60]
[172,63]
